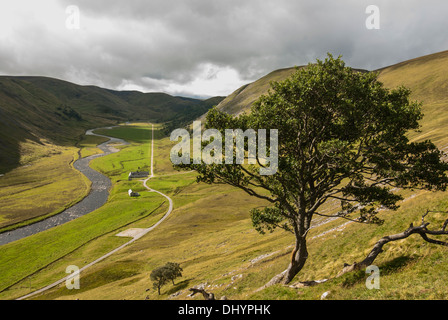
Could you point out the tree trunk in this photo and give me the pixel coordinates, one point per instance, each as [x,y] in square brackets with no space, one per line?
[298,259]
[299,254]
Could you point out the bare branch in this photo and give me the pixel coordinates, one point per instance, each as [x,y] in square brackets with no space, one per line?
[422,230]
[205,294]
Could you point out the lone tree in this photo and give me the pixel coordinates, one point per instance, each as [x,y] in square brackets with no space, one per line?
[162,275]
[174,271]
[341,137]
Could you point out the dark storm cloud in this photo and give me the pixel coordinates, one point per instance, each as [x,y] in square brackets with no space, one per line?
[177,46]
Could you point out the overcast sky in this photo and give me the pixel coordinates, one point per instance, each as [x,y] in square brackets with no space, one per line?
[207,47]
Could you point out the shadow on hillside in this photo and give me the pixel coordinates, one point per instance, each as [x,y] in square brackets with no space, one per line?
[387,268]
[11,138]
[9,159]
[10,143]
[179,286]
[396,264]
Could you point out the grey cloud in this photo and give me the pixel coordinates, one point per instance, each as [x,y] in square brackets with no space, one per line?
[153,44]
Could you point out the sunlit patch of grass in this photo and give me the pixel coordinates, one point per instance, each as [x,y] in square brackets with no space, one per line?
[88,145]
[133,157]
[52,179]
[28,255]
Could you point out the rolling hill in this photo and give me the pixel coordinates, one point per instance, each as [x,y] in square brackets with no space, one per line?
[241,100]
[426,76]
[39,110]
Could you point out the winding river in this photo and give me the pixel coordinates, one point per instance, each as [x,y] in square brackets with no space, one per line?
[96,198]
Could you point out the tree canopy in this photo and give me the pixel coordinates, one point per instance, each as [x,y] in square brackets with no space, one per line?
[342,136]
[162,275]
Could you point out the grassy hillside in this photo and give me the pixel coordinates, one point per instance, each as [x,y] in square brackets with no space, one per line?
[242,99]
[427,77]
[44,250]
[162,107]
[210,234]
[30,115]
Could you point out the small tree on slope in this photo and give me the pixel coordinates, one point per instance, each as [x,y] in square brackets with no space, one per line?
[175,271]
[160,276]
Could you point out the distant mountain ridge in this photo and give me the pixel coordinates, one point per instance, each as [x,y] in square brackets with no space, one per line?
[42,108]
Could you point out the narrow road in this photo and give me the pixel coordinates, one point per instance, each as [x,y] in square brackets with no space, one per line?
[138,236]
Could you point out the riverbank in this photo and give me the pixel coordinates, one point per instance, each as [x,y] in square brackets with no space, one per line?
[97,197]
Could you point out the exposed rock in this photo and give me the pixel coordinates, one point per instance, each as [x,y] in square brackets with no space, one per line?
[304,284]
[236,277]
[325,295]
[178,293]
[263,256]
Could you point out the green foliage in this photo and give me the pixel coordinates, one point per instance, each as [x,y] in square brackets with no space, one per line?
[159,277]
[342,137]
[268,219]
[174,271]
[162,275]
[242,99]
